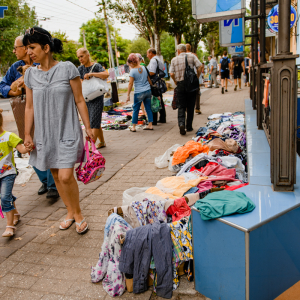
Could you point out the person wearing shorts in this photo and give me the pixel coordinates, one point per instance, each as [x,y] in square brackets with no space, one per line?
[224,66]
[237,65]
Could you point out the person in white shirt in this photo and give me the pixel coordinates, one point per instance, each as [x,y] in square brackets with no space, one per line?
[152,67]
[213,71]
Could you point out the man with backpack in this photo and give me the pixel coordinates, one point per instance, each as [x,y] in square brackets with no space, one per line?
[187,86]
[225,70]
[238,65]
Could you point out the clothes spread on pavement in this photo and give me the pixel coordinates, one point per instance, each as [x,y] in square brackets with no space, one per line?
[154,223]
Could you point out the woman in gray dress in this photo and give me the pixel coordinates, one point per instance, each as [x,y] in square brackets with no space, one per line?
[53,91]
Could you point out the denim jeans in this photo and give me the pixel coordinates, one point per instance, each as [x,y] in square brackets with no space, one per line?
[138,99]
[46,178]
[7,198]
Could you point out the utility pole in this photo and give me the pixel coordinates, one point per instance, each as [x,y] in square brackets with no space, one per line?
[108,35]
[114,88]
[116,50]
[84,41]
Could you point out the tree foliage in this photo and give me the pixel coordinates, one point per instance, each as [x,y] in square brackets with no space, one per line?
[211,40]
[17,19]
[69,48]
[96,41]
[140,45]
[167,46]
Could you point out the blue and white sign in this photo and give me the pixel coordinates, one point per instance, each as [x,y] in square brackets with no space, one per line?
[215,10]
[2,9]
[235,50]
[232,32]
[273,17]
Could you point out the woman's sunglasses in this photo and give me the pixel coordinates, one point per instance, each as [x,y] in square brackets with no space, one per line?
[31,31]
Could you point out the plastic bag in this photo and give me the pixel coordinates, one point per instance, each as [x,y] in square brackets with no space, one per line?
[130,193]
[163,160]
[93,88]
[155,104]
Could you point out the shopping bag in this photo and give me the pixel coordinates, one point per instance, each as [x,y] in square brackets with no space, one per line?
[174,102]
[18,107]
[93,88]
[155,104]
[93,168]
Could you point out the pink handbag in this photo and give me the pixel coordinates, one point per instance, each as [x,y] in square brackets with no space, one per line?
[93,168]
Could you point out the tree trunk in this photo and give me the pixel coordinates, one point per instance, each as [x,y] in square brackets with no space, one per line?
[152,41]
[178,38]
[194,48]
[157,44]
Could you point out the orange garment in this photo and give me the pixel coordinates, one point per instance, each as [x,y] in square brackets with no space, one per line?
[265,101]
[190,148]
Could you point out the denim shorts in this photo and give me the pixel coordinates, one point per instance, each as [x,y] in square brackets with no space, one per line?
[7,198]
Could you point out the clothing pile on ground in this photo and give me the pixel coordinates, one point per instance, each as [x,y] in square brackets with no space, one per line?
[148,240]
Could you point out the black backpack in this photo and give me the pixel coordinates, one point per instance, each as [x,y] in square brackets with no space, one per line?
[157,79]
[191,81]
[224,64]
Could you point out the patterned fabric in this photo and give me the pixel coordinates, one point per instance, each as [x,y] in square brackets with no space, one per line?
[178,65]
[107,268]
[95,107]
[149,212]
[182,246]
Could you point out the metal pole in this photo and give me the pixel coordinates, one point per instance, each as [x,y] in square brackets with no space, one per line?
[108,36]
[262,37]
[84,41]
[255,31]
[116,50]
[284,16]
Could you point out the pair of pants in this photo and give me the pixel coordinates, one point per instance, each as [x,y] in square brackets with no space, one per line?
[46,178]
[138,99]
[197,104]
[213,77]
[186,104]
[7,198]
[162,113]
[140,245]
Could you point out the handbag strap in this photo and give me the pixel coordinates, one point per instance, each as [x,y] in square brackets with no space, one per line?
[186,61]
[93,67]
[149,76]
[87,151]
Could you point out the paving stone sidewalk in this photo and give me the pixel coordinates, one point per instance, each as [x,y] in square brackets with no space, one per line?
[47,263]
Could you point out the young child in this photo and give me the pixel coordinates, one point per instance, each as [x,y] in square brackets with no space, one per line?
[8,173]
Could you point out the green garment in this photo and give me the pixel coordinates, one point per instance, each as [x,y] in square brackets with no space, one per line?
[142,64]
[223,203]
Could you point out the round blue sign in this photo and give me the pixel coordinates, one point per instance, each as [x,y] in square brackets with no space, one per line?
[273,17]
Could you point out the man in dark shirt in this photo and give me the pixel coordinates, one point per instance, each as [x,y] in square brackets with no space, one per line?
[48,185]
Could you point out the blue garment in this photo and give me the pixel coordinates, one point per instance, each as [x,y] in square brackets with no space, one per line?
[7,198]
[138,99]
[222,60]
[11,76]
[166,71]
[141,83]
[246,60]
[46,178]
[192,190]
[111,220]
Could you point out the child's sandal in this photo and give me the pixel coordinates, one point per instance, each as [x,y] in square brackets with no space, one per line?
[17,221]
[7,233]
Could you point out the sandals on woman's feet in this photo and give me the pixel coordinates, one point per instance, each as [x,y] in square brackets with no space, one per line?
[84,229]
[101,145]
[65,221]
[7,233]
[132,130]
[17,221]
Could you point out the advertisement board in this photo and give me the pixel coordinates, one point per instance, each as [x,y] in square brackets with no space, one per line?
[2,9]
[215,10]
[273,18]
[233,50]
[231,32]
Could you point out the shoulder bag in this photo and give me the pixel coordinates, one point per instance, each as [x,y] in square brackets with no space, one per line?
[154,89]
[94,87]
[191,81]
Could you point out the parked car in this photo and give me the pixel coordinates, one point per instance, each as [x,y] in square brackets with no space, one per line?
[124,78]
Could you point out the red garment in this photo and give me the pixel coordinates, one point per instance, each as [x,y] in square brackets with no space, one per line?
[179,209]
[235,187]
[218,170]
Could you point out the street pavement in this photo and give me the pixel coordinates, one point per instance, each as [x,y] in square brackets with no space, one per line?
[43,262]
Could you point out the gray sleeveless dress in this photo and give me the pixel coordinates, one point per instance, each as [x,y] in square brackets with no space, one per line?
[58,137]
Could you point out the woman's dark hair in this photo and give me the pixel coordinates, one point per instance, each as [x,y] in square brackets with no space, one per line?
[43,37]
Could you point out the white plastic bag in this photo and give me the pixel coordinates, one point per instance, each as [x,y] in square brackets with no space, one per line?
[93,88]
[130,193]
[24,169]
[163,160]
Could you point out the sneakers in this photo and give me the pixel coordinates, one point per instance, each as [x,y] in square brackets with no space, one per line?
[198,111]
[235,88]
[222,90]
[182,130]
[226,91]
